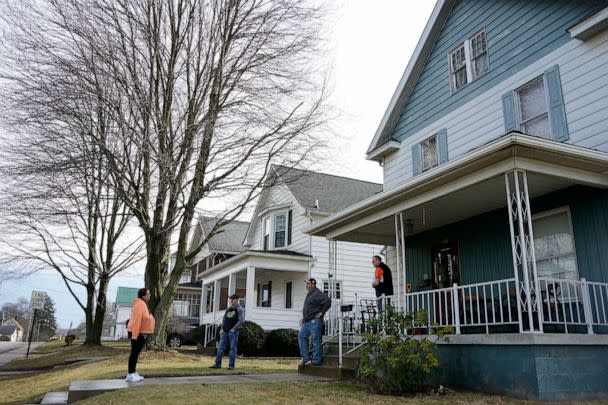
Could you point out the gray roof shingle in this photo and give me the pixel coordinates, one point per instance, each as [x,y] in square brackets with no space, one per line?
[333,193]
[230,239]
[7,329]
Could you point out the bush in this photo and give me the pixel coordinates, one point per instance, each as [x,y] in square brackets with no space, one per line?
[5,338]
[282,342]
[251,339]
[392,362]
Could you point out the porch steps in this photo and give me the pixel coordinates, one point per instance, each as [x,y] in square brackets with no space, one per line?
[330,364]
[55,398]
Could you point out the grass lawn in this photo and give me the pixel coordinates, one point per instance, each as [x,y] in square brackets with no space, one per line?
[152,364]
[281,393]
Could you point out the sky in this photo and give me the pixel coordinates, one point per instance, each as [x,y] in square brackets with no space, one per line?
[369,46]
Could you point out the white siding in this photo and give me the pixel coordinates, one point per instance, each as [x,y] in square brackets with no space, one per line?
[584,79]
[355,270]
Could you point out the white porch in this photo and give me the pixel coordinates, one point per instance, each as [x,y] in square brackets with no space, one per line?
[506,174]
[270,284]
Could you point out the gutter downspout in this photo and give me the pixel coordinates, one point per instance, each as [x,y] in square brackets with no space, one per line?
[311,263]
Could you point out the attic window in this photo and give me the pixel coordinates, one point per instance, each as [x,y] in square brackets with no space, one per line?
[469,60]
[428,153]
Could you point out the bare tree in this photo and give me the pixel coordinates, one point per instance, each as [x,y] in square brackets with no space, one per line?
[59,212]
[203,96]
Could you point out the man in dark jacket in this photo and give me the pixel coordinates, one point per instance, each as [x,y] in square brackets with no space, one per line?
[234,317]
[316,305]
[383,282]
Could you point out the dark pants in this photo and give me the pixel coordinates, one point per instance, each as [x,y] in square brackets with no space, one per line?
[136,346]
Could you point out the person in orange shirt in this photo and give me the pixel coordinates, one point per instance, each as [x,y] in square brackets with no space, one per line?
[140,325]
[383,282]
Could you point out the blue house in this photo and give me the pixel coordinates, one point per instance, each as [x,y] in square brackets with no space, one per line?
[495,203]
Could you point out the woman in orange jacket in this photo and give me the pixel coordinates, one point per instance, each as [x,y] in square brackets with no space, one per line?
[140,325]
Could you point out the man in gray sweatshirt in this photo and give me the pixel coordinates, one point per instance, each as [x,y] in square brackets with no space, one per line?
[316,304]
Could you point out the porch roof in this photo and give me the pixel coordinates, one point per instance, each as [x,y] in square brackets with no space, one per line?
[469,185]
[278,259]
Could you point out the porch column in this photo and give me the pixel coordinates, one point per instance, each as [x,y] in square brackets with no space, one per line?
[216,297]
[529,303]
[250,292]
[231,283]
[401,262]
[202,308]
[331,285]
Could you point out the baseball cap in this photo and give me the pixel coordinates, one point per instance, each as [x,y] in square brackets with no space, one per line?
[234,296]
[311,280]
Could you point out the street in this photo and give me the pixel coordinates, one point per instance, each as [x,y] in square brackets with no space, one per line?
[10,351]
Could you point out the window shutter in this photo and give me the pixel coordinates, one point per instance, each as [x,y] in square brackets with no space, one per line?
[259,295]
[416,164]
[269,294]
[557,111]
[508,111]
[442,145]
[289,218]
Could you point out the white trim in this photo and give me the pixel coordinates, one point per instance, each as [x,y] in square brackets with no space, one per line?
[494,154]
[271,208]
[591,26]
[383,150]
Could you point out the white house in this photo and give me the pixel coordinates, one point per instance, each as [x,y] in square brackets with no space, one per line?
[279,256]
[12,329]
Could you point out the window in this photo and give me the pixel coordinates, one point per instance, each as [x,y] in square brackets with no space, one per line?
[186,276]
[288,294]
[266,233]
[469,60]
[533,113]
[554,245]
[279,230]
[265,294]
[209,297]
[187,304]
[428,153]
[338,285]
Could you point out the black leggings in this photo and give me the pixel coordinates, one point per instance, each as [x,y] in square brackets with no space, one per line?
[136,346]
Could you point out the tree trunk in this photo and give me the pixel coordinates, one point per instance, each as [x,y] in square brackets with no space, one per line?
[157,269]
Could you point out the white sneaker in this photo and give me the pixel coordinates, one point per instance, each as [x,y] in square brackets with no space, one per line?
[139,376]
[133,377]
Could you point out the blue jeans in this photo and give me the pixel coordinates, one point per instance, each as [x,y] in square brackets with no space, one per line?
[226,337]
[312,329]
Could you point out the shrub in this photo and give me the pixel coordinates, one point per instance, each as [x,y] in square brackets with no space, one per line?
[282,342]
[392,362]
[4,338]
[251,339]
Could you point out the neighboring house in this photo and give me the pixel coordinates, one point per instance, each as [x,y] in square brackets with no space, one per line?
[494,151]
[11,328]
[269,275]
[123,305]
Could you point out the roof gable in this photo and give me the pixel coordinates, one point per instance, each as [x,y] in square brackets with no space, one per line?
[518,33]
[228,239]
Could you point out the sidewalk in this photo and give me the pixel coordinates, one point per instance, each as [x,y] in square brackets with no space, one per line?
[12,351]
[80,390]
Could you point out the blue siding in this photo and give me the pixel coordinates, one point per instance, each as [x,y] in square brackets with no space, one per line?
[485,247]
[541,372]
[519,32]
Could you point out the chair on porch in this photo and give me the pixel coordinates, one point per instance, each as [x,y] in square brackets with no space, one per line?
[368,312]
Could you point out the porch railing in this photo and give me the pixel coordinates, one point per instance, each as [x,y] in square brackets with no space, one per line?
[210,333]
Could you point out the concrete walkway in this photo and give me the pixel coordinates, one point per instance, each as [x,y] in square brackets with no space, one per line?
[83,389]
[10,351]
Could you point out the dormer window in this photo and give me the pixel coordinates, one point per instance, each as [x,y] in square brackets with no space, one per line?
[277,229]
[280,230]
[469,60]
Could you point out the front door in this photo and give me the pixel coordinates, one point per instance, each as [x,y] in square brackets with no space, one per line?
[446,269]
[446,272]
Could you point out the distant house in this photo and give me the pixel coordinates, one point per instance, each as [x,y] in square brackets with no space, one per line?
[11,328]
[123,305]
[275,256]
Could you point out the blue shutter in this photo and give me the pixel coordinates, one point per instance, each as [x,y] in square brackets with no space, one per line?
[416,167]
[508,111]
[557,111]
[442,145]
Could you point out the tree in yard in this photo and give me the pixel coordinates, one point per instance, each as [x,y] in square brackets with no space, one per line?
[199,99]
[20,310]
[46,323]
[59,211]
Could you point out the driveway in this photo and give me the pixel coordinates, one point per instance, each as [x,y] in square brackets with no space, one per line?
[10,351]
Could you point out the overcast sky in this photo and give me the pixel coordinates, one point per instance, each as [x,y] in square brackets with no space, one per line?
[370,44]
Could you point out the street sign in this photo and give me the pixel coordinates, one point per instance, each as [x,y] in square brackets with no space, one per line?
[37,300]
